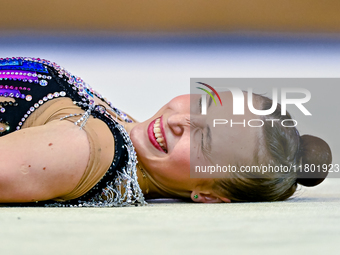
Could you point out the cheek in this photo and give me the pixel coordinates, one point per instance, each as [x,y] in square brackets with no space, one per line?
[179,162]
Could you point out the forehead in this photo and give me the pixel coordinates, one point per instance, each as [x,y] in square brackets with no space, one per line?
[234,142]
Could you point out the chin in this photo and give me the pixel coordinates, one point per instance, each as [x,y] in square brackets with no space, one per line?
[136,136]
[135,132]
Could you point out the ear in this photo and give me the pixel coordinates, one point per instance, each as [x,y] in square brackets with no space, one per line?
[207,197]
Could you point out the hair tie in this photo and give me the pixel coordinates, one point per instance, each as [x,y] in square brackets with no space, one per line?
[316,158]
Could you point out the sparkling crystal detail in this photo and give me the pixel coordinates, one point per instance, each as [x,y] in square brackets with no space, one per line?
[100,109]
[43,83]
[123,189]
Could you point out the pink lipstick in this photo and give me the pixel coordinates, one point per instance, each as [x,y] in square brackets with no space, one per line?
[156,134]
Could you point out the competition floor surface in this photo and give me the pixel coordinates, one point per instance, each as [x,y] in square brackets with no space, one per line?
[139,76]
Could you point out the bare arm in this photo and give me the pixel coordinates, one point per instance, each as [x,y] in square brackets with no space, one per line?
[41,163]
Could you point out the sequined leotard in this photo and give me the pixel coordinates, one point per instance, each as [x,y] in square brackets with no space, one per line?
[26,84]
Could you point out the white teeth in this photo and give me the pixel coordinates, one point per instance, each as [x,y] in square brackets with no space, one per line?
[159,140]
[158,134]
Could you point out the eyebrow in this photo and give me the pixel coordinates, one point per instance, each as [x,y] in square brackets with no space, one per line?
[208,142]
[210,98]
[209,138]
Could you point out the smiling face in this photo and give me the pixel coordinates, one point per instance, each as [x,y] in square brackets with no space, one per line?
[168,159]
[163,142]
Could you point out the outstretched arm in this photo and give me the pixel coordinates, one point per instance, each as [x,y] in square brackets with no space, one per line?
[41,163]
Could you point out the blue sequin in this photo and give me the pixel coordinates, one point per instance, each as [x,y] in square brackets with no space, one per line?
[88,92]
[19,64]
[10,62]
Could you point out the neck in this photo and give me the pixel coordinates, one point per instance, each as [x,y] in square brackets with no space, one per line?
[149,189]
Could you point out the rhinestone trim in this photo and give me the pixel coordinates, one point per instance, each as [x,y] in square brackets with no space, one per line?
[124,190]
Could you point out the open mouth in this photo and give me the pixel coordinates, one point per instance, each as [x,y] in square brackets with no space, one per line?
[157,135]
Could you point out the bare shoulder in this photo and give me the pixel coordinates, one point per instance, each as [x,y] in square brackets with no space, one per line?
[41,163]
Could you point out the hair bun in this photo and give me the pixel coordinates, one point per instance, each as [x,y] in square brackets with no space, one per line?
[315,154]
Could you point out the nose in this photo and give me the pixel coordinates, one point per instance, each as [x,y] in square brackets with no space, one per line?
[179,122]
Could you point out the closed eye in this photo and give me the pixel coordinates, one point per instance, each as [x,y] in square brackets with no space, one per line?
[200,104]
[202,142]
